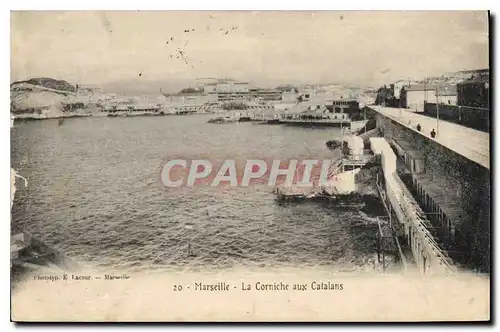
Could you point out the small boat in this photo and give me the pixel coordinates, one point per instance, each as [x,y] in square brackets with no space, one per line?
[287,196]
[244,119]
[223,120]
[348,201]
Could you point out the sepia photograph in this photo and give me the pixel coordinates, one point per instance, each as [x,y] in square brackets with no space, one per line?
[250,166]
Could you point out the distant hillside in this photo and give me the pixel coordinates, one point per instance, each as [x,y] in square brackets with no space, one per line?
[458,77]
[287,87]
[190,90]
[49,83]
[143,87]
[41,95]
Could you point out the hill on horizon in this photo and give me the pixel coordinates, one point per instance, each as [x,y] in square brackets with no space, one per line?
[139,86]
[50,83]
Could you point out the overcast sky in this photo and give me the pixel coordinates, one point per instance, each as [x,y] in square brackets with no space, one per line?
[367,48]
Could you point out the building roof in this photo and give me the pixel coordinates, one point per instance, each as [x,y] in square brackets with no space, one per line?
[420,87]
[475,71]
[184,94]
[269,90]
[473,82]
[225,80]
[347,101]
[447,92]
[400,81]
[443,89]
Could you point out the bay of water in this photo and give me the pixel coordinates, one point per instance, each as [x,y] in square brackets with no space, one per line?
[94,192]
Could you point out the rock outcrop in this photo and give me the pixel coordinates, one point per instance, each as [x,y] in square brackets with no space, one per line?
[49,83]
[41,97]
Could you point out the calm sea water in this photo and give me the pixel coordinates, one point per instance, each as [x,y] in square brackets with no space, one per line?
[94,192]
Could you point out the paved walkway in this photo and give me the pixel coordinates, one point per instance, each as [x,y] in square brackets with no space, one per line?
[470,143]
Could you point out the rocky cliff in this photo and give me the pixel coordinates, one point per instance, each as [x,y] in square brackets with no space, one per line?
[41,97]
[49,83]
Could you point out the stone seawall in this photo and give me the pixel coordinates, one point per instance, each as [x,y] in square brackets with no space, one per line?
[451,180]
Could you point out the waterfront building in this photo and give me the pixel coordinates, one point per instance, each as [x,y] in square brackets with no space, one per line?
[229,90]
[223,90]
[342,106]
[307,91]
[474,93]
[265,94]
[289,96]
[398,85]
[210,88]
[190,99]
[446,94]
[415,96]
[91,93]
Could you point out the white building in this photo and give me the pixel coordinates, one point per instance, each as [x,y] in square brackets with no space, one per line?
[289,96]
[415,96]
[398,85]
[210,87]
[190,99]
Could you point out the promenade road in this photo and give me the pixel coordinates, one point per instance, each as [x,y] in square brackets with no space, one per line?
[470,143]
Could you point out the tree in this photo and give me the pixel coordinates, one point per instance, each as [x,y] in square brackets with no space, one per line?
[190,90]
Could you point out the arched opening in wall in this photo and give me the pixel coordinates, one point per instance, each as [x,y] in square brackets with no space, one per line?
[424,260]
[441,219]
[410,235]
[431,215]
[416,253]
[446,230]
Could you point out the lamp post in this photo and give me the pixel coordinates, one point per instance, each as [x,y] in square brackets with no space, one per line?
[364,109]
[425,91]
[487,87]
[400,110]
[437,111]
[341,137]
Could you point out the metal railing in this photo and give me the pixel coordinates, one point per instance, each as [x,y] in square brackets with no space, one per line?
[404,199]
[410,214]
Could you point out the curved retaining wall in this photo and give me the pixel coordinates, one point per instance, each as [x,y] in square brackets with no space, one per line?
[429,257]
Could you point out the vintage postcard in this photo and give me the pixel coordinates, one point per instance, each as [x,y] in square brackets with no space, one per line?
[250,166]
